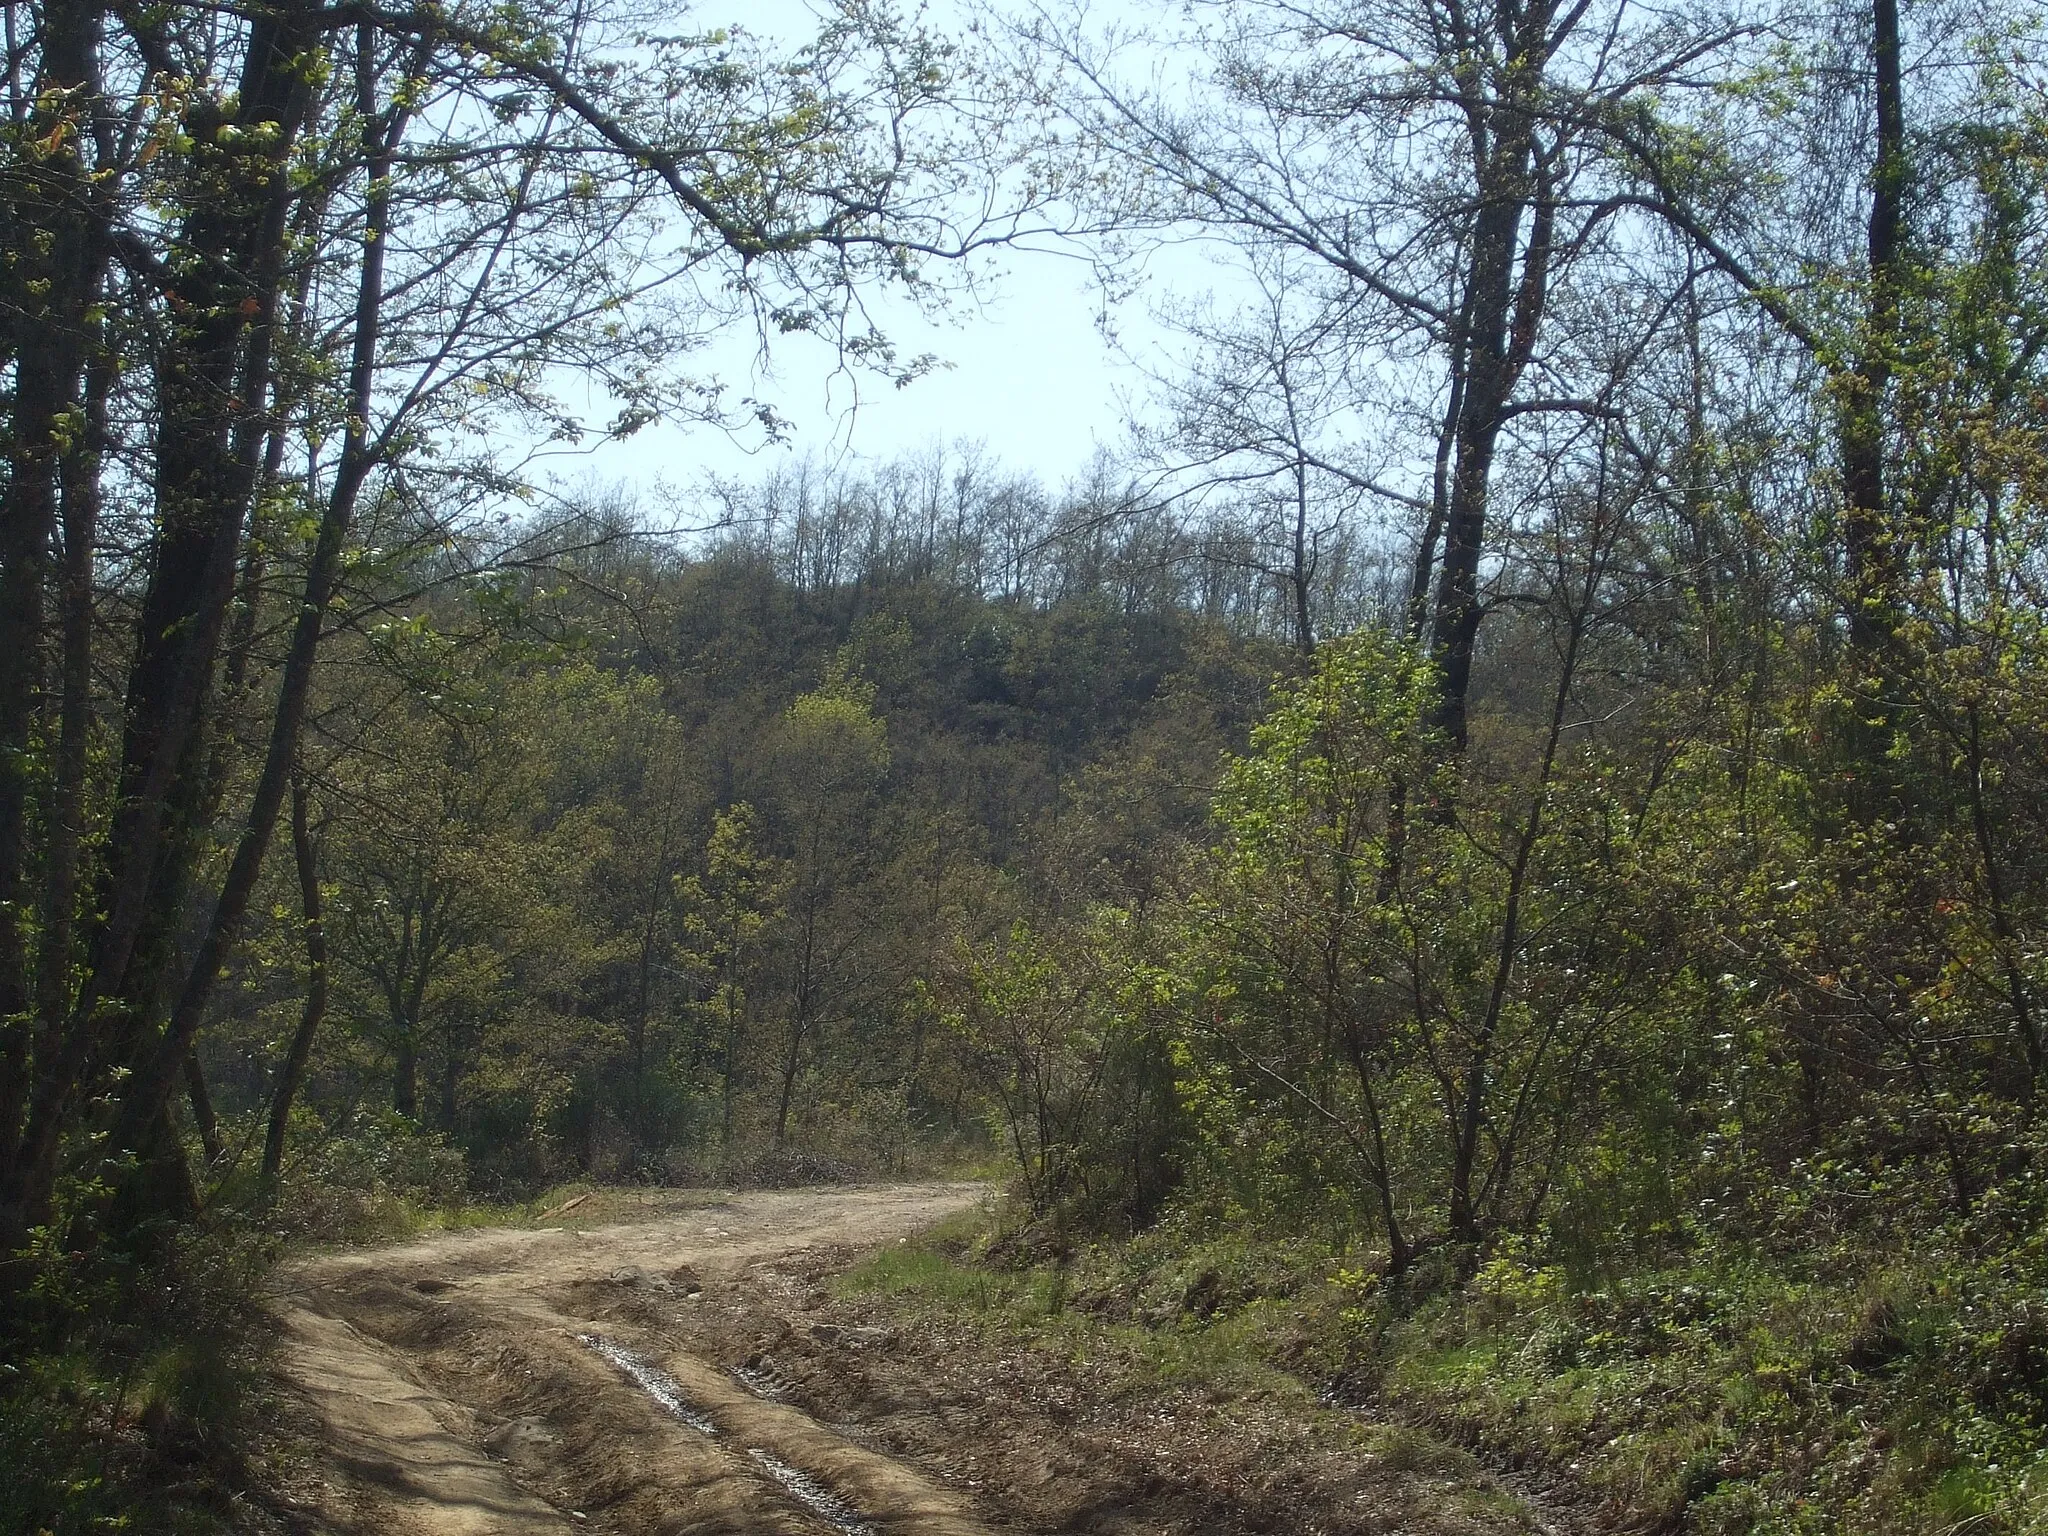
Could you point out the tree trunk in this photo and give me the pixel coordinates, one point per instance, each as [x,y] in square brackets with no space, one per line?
[67,820]
[1301,574]
[729,1067]
[292,1072]
[213,377]
[357,459]
[1874,547]
[55,249]
[451,1081]
[203,1117]
[405,1078]
[792,1063]
[1495,346]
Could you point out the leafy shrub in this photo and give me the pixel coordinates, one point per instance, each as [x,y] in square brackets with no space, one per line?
[127,1386]
[371,1176]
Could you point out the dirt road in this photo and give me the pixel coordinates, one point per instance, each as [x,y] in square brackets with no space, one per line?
[689,1372]
[522,1381]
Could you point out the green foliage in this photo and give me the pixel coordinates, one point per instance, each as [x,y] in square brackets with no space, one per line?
[1628,1058]
[631,900]
[725,911]
[1398,987]
[368,1176]
[1061,1032]
[130,1391]
[1850,1386]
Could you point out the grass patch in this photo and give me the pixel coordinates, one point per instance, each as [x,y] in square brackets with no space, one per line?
[1745,1392]
[930,1276]
[1077,1308]
[1856,1388]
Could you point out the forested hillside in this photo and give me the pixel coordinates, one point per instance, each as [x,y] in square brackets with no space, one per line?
[670,854]
[1492,854]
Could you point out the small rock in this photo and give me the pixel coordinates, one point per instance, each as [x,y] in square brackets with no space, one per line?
[852,1338]
[522,1441]
[635,1278]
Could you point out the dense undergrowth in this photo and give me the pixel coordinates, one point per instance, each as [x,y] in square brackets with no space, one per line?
[1811,1373]
[135,1385]
[132,1390]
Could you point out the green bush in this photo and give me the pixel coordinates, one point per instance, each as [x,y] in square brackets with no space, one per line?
[128,1384]
[369,1176]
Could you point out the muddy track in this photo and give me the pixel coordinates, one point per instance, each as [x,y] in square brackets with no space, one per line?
[494,1382]
[694,1371]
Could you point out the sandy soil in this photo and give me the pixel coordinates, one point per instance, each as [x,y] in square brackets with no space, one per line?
[689,1371]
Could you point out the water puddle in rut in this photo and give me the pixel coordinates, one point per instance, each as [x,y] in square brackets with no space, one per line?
[664,1389]
[813,1495]
[651,1379]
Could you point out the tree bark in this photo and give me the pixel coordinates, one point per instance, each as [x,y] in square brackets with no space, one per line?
[405,1078]
[56,249]
[57,958]
[292,1071]
[200,1097]
[1875,548]
[213,375]
[1501,315]
[294,689]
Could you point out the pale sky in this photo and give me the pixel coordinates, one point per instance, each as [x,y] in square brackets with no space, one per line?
[1029,373]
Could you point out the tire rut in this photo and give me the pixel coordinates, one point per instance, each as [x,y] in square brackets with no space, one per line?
[503,1401]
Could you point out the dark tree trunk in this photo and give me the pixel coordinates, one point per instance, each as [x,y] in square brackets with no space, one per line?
[1874,547]
[792,1064]
[213,376]
[729,1068]
[1301,574]
[200,1097]
[358,458]
[55,250]
[405,1078]
[451,1081]
[292,1072]
[66,832]
[1500,315]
